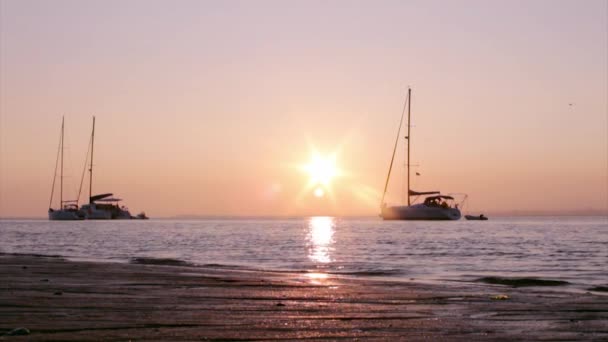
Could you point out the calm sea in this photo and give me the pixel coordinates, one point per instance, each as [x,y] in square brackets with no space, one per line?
[574,249]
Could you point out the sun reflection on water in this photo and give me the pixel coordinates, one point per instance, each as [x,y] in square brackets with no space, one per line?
[320,238]
[317,278]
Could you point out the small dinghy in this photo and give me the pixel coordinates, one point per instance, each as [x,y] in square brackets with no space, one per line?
[474,217]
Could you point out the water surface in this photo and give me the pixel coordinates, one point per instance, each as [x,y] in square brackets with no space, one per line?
[574,249]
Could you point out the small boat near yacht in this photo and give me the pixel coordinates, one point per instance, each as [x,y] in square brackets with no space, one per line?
[434,207]
[141,216]
[68,209]
[476,217]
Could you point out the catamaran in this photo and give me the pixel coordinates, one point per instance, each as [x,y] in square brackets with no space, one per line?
[68,209]
[103,206]
[434,207]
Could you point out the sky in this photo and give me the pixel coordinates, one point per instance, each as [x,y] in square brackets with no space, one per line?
[217,107]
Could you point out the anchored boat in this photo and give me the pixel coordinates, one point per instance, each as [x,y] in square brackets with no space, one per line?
[434,207]
[68,209]
[103,206]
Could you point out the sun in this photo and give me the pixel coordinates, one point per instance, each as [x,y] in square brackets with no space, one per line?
[319,192]
[321,169]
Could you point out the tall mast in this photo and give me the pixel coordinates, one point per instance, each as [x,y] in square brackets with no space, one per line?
[409,124]
[91,165]
[61,177]
[55,172]
[390,168]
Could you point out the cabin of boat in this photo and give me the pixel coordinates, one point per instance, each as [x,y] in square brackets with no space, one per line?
[105,207]
[68,212]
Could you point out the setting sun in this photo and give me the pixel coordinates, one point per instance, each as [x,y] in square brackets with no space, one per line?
[321,169]
[319,192]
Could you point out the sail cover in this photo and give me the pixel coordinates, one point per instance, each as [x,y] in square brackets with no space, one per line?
[110,199]
[98,197]
[440,197]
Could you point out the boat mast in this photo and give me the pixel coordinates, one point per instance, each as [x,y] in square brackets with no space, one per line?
[84,170]
[409,105]
[56,164]
[61,177]
[91,165]
[390,168]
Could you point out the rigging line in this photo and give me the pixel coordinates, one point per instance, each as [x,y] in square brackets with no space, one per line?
[91,168]
[395,148]
[55,174]
[61,178]
[84,169]
[402,183]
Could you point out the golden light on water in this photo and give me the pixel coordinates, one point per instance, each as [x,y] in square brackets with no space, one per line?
[316,278]
[320,239]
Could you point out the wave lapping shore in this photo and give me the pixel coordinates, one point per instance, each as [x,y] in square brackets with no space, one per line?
[50,298]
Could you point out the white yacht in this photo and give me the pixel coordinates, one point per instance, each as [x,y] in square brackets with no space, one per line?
[439,207]
[434,207]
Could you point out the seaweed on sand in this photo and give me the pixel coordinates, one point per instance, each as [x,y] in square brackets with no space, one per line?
[159,261]
[521,282]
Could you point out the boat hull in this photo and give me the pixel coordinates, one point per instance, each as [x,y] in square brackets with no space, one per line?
[420,212]
[98,215]
[91,212]
[64,215]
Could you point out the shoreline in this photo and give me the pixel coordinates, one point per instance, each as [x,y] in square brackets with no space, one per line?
[58,299]
[382,276]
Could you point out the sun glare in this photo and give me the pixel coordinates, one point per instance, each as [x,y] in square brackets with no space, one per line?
[319,192]
[321,170]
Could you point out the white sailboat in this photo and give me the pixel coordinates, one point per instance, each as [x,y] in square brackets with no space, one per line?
[68,209]
[434,207]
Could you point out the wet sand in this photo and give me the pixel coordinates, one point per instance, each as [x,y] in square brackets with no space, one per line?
[64,300]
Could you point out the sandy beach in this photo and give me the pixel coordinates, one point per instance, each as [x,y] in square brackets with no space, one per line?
[56,299]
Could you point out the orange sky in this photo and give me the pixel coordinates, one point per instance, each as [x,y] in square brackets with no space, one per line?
[209,108]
